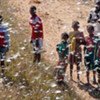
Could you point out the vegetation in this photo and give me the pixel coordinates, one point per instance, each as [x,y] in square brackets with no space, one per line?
[23,79]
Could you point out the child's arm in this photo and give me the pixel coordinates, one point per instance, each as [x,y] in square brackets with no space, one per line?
[89,18]
[97,49]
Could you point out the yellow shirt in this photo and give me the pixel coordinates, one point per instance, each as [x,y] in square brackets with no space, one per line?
[72,40]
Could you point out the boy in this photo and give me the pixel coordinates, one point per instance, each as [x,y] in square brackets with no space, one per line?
[94,13]
[89,50]
[62,50]
[37,31]
[76,39]
[97,57]
[4,42]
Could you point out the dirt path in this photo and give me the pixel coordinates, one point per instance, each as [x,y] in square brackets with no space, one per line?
[57,16]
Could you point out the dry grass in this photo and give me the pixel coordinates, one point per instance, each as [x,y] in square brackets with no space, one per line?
[25,80]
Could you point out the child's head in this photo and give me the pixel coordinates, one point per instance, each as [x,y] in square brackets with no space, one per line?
[90,30]
[33,10]
[98,3]
[1,19]
[64,36]
[75,25]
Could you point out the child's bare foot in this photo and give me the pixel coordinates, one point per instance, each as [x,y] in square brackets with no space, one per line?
[88,83]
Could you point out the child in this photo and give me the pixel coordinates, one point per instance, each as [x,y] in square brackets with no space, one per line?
[90,53]
[76,39]
[94,13]
[37,30]
[97,57]
[62,50]
[4,42]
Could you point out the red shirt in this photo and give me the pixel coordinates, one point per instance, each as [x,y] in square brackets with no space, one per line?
[37,27]
[89,43]
[2,39]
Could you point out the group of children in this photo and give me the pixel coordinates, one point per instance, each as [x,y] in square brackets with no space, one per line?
[70,49]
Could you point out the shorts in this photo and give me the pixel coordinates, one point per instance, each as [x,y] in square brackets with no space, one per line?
[2,53]
[40,42]
[75,58]
[89,62]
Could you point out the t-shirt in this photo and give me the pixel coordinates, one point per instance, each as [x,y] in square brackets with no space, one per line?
[90,47]
[62,49]
[4,35]
[74,44]
[37,27]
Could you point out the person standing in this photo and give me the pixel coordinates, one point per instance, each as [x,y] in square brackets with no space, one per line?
[97,58]
[89,53]
[76,38]
[37,33]
[63,53]
[94,14]
[4,43]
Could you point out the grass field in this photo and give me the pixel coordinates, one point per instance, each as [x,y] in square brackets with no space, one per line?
[25,80]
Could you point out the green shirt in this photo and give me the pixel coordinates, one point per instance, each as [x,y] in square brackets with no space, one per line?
[62,49]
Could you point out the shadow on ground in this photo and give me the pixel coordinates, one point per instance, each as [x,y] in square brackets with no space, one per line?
[94,92]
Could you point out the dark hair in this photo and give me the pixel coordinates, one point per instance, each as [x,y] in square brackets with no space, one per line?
[90,27]
[65,34]
[98,2]
[1,18]
[75,23]
[32,8]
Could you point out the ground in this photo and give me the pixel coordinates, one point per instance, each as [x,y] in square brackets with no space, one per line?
[57,16]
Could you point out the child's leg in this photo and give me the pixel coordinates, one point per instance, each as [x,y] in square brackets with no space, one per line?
[2,67]
[78,69]
[39,57]
[2,63]
[78,59]
[65,68]
[87,75]
[98,77]
[35,58]
[71,65]
[71,71]
[94,77]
